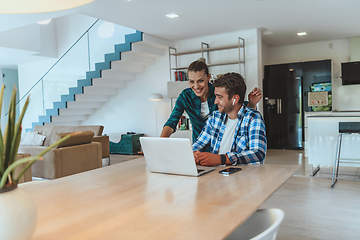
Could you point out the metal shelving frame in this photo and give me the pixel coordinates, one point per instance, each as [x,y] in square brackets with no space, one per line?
[206,49]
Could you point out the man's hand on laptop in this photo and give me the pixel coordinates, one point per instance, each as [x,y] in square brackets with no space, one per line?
[196,153]
[207,159]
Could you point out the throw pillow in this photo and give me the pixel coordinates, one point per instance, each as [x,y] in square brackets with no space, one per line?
[76,139]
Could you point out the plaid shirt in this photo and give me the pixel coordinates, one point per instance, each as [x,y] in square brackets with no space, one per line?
[249,144]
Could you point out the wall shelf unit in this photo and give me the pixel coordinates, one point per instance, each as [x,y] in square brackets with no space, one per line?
[205,50]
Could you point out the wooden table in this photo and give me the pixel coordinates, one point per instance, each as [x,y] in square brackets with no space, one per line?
[124,201]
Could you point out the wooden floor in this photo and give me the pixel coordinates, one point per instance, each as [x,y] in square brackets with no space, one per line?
[312,209]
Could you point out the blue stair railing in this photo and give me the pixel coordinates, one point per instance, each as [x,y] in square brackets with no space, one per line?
[49,113]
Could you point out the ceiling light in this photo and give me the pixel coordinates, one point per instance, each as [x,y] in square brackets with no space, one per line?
[301,34]
[39,6]
[172,15]
[44,22]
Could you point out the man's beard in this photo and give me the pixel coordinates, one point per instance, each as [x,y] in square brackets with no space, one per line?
[228,109]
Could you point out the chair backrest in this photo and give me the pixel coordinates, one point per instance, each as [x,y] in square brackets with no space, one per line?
[262,225]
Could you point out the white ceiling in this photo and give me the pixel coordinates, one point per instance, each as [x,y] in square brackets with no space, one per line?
[322,19]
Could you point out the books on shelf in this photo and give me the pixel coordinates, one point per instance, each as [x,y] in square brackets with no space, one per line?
[180,76]
[183,123]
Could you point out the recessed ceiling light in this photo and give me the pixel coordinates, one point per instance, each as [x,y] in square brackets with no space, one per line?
[172,15]
[301,33]
[44,22]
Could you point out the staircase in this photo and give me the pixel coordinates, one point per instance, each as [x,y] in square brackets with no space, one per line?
[128,59]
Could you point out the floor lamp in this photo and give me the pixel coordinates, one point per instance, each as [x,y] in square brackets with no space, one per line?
[156,97]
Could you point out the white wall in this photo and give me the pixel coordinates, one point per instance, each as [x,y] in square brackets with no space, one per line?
[131,110]
[345,98]
[354,49]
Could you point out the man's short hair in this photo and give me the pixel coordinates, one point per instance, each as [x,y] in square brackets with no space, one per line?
[198,66]
[234,83]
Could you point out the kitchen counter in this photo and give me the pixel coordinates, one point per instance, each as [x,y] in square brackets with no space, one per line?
[322,131]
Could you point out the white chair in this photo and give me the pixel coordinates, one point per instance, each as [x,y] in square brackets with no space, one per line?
[262,225]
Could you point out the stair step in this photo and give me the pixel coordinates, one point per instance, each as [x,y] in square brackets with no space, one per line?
[110,57]
[123,47]
[91,98]
[52,112]
[45,119]
[84,105]
[138,58]
[74,111]
[84,82]
[68,98]
[102,91]
[142,48]
[114,76]
[128,67]
[109,83]
[59,123]
[134,37]
[36,124]
[73,118]
[93,74]
[75,90]
[59,105]
[102,66]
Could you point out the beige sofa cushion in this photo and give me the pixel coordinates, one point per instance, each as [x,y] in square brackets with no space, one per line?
[51,131]
[76,139]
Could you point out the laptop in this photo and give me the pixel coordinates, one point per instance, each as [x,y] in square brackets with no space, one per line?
[171,155]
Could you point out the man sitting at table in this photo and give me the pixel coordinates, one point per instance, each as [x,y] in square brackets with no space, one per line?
[235,132]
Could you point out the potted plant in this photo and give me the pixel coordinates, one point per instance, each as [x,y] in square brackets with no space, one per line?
[17,210]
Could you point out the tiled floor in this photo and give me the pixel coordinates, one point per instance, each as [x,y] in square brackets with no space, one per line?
[312,209]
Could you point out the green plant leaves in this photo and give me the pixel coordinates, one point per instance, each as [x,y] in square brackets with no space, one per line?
[9,143]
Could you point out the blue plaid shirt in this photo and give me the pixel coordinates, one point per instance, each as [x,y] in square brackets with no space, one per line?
[249,144]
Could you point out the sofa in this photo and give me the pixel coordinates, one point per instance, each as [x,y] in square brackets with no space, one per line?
[75,157]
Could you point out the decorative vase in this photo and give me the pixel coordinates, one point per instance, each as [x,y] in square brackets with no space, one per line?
[17,214]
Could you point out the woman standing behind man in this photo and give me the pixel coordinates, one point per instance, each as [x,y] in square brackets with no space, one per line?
[198,101]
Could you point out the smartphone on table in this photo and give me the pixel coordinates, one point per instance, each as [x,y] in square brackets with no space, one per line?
[229,170]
